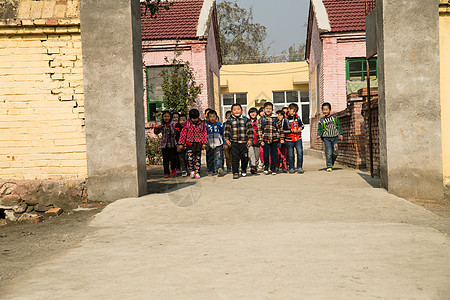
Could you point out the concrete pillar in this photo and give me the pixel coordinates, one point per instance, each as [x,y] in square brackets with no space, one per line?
[113,90]
[409,104]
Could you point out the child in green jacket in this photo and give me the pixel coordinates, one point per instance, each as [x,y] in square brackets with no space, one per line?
[330,129]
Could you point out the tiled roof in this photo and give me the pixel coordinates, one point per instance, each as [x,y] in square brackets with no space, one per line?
[346,15]
[180,21]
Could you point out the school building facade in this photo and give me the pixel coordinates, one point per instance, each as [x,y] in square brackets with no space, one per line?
[251,85]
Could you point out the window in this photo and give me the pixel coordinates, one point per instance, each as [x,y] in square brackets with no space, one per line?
[356,69]
[155,93]
[301,98]
[229,99]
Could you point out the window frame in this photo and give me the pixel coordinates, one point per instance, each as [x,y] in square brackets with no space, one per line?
[228,107]
[363,71]
[300,103]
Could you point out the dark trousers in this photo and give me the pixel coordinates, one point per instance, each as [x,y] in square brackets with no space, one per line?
[272,151]
[239,154]
[169,156]
[182,160]
[214,159]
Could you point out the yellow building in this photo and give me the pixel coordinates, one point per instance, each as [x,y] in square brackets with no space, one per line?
[252,85]
[444,47]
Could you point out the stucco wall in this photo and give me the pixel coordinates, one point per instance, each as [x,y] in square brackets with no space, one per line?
[212,63]
[42,133]
[444,46]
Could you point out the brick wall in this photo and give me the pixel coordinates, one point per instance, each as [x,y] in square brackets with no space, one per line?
[375,134]
[42,132]
[352,148]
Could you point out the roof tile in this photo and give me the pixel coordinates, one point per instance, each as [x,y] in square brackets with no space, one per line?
[346,15]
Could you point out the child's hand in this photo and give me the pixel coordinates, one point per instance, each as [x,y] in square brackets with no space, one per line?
[294,130]
[228,143]
[262,144]
[204,147]
[341,138]
[179,148]
[249,144]
[282,141]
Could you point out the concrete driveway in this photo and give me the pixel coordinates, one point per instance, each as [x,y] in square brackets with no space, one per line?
[313,236]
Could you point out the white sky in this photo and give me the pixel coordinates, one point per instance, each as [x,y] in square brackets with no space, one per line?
[285,21]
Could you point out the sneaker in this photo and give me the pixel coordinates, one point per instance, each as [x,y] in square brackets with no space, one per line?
[197,175]
[291,171]
[274,173]
[184,173]
[266,172]
[253,170]
[244,174]
[236,176]
[329,169]
[166,175]
[285,170]
[174,173]
[300,171]
[192,174]
[210,174]
[220,172]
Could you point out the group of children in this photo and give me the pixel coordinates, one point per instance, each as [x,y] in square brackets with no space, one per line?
[263,140]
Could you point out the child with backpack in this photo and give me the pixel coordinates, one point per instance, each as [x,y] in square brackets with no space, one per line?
[181,153]
[214,154]
[238,136]
[292,127]
[270,133]
[194,138]
[329,130]
[254,149]
[168,143]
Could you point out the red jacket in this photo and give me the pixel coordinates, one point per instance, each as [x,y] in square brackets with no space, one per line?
[193,133]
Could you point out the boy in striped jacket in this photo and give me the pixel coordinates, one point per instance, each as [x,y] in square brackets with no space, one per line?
[329,130]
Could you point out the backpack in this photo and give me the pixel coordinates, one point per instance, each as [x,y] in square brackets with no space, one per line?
[324,125]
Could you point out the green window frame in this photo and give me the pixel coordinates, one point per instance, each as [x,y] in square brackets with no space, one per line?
[356,69]
[154,95]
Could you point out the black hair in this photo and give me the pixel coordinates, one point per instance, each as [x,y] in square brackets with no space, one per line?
[228,112]
[175,113]
[261,109]
[212,112]
[280,112]
[326,104]
[162,116]
[194,114]
[236,104]
[252,110]
[284,108]
[207,110]
[268,104]
[182,116]
[293,106]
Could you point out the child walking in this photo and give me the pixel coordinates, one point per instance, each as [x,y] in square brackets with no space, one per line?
[214,154]
[282,151]
[270,133]
[181,153]
[194,138]
[168,143]
[226,150]
[254,149]
[238,135]
[330,129]
[292,127]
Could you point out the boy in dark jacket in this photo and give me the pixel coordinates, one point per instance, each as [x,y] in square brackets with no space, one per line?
[292,128]
[214,154]
[181,153]
[330,129]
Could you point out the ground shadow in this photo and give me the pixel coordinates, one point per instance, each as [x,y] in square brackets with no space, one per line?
[334,169]
[156,183]
[374,182]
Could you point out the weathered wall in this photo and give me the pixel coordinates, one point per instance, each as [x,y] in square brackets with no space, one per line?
[42,132]
[444,47]
[213,65]
[375,135]
[115,124]
[409,98]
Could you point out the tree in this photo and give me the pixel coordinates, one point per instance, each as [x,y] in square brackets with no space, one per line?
[153,6]
[241,39]
[293,53]
[179,86]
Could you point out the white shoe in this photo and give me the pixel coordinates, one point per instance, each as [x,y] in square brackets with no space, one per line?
[244,174]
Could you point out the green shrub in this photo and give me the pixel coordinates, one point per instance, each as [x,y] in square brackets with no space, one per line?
[153,149]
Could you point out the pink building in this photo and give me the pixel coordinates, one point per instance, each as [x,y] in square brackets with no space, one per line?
[335,51]
[190,26]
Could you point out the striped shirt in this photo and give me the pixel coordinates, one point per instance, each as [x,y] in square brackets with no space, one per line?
[329,126]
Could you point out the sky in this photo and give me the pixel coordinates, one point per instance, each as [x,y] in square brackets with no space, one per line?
[285,21]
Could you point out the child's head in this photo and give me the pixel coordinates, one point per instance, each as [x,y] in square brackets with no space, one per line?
[261,111]
[166,117]
[194,115]
[285,109]
[253,113]
[326,108]
[175,117]
[206,113]
[212,116]
[182,119]
[293,109]
[268,108]
[228,114]
[236,110]
[280,114]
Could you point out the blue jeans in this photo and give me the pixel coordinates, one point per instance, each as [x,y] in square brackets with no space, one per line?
[298,145]
[331,155]
[272,151]
[214,159]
